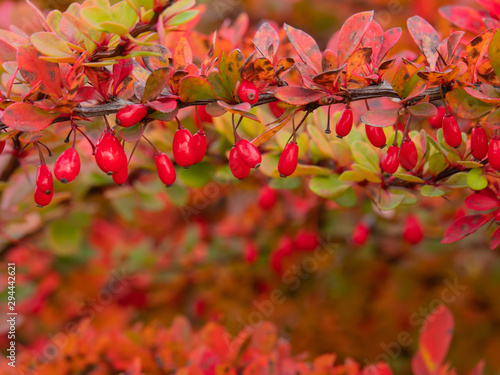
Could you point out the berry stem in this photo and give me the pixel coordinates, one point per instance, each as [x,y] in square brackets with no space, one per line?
[152,145]
[87,138]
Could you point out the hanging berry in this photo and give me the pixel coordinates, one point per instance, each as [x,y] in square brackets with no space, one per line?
[238,168]
[478,142]
[165,169]
[44,180]
[67,166]
[408,156]
[437,121]
[121,176]
[390,161]
[412,230]
[267,197]
[494,152]
[183,148]
[41,198]
[288,159]
[199,146]
[376,136]
[131,115]
[360,234]
[247,92]
[451,131]
[109,153]
[248,153]
[2,146]
[344,124]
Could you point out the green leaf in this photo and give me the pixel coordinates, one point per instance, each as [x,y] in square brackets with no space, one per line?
[329,187]
[197,175]
[458,180]
[368,174]
[351,176]
[431,191]
[349,199]
[50,44]
[95,17]
[319,139]
[408,177]
[494,53]
[64,236]
[476,179]
[437,164]
[365,155]
[386,201]
[285,183]
[155,84]
[182,18]
[466,106]
[193,88]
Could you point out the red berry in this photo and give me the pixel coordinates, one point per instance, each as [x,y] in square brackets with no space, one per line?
[276,110]
[494,152]
[376,136]
[131,115]
[67,166]
[344,125]
[412,230]
[2,146]
[451,131]
[247,92]
[199,146]
[479,142]
[390,161]
[267,198]
[182,148]
[408,156]
[165,168]
[109,153]
[238,168]
[306,240]
[121,176]
[250,252]
[288,159]
[41,198]
[44,180]
[437,121]
[360,234]
[248,153]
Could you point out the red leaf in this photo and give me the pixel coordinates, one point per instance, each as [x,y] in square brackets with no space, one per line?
[351,34]
[478,369]
[492,5]
[464,226]
[265,37]
[164,106]
[426,38]
[495,239]
[27,117]
[480,202]
[391,37]
[121,70]
[434,341]
[183,55]
[380,118]
[305,46]
[464,17]
[374,38]
[100,78]
[298,95]
[36,71]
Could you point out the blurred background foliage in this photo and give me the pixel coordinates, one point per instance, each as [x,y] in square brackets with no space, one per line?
[212,249]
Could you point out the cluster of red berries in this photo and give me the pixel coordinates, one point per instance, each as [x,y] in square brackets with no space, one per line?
[412,231]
